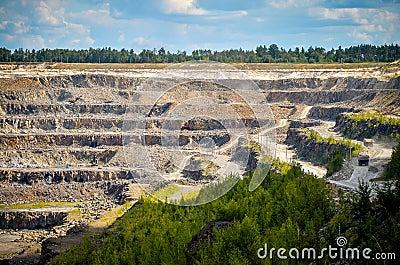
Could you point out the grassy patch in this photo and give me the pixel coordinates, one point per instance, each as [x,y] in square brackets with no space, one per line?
[210,168]
[75,214]
[190,195]
[34,205]
[378,117]
[110,216]
[166,192]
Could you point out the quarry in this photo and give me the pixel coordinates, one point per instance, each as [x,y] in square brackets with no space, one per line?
[70,158]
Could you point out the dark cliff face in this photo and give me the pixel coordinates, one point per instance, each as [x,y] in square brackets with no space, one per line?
[30,219]
[328,113]
[369,128]
[328,83]
[62,175]
[120,82]
[372,83]
[309,150]
[90,80]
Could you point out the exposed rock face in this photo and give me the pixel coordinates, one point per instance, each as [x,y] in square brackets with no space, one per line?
[304,124]
[56,123]
[31,219]
[372,83]
[90,80]
[364,128]
[327,113]
[310,97]
[45,140]
[310,150]
[281,82]
[56,176]
[63,192]
[328,83]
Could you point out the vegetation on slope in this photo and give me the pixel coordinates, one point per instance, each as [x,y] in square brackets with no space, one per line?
[284,207]
[368,124]
[335,163]
[392,171]
[374,116]
[290,209]
[317,137]
[334,160]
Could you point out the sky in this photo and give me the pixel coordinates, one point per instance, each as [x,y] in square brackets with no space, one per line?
[179,25]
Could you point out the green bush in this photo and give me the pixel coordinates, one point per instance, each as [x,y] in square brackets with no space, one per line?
[377,117]
[335,163]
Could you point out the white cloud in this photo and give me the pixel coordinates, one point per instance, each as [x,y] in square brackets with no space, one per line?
[260,19]
[362,36]
[355,14]
[292,3]
[33,41]
[76,41]
[368,22]
[121,37]
[362,16]
[187,7]
[75,29]
[10,37]
[3,25]
[372,28]
[46,14]
[218,15]
[142,41]
[184,28]
[89,40]
[19,27]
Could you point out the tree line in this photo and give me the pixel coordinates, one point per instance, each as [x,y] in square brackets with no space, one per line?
[262,54]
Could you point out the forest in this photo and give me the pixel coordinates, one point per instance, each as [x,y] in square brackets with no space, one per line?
[262,54]
[291,209]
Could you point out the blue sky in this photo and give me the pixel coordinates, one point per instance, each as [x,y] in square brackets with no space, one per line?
[193,24]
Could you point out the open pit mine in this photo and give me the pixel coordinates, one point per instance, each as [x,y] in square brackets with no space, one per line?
[65,166]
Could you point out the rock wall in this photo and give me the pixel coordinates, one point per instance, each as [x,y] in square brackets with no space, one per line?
[63,175]
[90,80]
[49,140]
[23,108]
[364,128]
[348,82]
[318,81]
[328,113]
[372,83]
[309,150]
[10,124]
[31,219]
[44,191]
[303,124]
[312,97]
